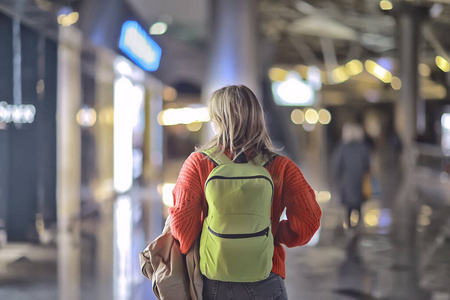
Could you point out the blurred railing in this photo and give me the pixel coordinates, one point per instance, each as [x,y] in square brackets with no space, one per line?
[432,157]
[433,172]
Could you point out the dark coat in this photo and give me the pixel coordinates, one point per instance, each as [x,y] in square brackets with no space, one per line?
[350,162]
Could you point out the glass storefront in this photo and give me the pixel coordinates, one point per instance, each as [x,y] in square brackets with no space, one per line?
[28,62]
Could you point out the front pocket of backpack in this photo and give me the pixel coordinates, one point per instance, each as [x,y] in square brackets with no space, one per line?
[239,259]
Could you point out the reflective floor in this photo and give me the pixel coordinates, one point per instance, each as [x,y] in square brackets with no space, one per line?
[98,259]
[347,265]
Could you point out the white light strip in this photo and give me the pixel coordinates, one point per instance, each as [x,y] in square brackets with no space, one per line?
[123,232]
[185,115]
[167,195]
[18,114]
[123,135]
[445,121]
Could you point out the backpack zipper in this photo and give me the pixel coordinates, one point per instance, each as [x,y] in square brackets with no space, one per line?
[241,235]
[240,177]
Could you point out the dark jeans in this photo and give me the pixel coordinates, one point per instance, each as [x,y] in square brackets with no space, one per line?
[271,288]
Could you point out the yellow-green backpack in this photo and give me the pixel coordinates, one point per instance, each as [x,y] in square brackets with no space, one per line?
[236,243]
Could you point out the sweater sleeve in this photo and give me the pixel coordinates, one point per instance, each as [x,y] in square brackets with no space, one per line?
[302,210]
[186,213]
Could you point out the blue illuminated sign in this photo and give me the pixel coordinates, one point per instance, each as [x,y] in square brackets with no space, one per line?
[139,46]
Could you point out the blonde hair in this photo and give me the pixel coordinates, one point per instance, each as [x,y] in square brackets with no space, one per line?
[241,124]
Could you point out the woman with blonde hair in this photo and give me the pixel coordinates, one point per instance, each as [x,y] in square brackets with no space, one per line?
[241,139]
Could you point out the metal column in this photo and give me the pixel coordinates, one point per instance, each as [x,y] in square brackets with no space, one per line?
[69,163]
[233,56]
[404,232]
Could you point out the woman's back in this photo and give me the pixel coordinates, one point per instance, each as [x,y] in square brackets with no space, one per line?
[238,123]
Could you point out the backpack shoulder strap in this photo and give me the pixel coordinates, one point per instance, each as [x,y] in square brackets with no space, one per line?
[263,161]
[217,158]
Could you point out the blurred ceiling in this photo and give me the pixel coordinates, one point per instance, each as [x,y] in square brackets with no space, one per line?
[302,31]
[187,19]
[324,33]
[36,13]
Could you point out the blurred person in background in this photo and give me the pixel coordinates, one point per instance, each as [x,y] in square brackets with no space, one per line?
[350,164]
[240,133]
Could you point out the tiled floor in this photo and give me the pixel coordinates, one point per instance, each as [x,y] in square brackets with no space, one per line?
[102,262]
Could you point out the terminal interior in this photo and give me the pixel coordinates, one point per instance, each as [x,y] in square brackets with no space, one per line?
[102,101]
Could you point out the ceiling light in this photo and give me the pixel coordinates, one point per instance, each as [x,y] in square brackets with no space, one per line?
[158,28]
[185,115]
[378,43]
[314,77]
[323,196]
[339,75]
[436,10]
[293,91]
[424,70]
[305,8]
[442,63]
[86,117]
[386,5]
[67,20]
[354,67]
[277,74]
[311,116]
[322,26]
[324,116]
[61,18]
[123,67]
[445,121]
[297,116]
[169,93]
[378,71]
[63,12]
[396,83]
[167,195]
[194,127]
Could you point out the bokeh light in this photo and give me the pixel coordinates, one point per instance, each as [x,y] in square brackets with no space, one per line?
[324,116]
[442,63]
[311,116]
[396,83]
[386,5]
[297,116]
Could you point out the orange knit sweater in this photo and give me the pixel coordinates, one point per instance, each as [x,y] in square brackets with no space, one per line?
[291,191]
